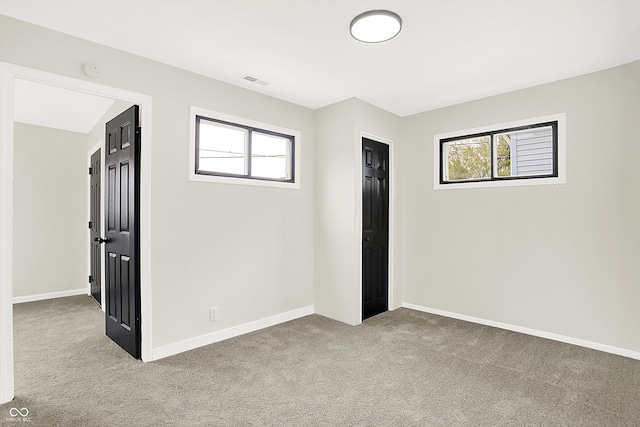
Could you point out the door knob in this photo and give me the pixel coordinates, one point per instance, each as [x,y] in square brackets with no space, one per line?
[366,239]
[100,240]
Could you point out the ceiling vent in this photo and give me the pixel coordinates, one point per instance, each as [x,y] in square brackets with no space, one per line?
[255,80]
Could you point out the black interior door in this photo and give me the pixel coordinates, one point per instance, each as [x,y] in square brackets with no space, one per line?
[95,278]
[122,224]
[375,228]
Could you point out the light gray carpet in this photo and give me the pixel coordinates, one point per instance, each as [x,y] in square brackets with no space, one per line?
[402,368]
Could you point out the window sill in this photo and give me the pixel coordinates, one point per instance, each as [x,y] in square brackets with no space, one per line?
[242,181]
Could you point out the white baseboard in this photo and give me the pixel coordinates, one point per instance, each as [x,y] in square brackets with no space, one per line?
[50,295]
[542,334]
[190,344]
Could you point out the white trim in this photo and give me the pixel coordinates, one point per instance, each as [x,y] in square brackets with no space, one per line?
[562,155]
[534,332]
[358,220]
[6,233]
[145,229]
[8,73]
[51,295]
[190,344]
[193,176]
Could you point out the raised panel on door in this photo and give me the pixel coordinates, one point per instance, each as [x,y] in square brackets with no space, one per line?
[124,197]
[112,289]
[126,314]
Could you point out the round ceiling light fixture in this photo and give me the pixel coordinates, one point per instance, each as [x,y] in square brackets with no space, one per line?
[376,26]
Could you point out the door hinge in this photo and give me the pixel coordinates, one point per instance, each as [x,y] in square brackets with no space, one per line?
[90,279]
[90,225]
[90,171]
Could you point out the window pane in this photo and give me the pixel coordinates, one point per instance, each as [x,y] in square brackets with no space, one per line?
[222,148]
[503,155]
[467,159]
[525,152]
[269,156]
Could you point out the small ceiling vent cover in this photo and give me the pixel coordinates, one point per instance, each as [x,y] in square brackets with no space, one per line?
[255,80]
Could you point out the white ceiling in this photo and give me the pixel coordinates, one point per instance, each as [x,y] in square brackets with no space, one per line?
[449,51]
[54,107]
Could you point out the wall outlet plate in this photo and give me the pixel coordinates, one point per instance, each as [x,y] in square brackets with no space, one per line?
[213,314]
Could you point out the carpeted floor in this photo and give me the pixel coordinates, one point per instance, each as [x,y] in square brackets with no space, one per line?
[401,368]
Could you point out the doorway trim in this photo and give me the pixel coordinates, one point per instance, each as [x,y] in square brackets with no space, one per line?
[358,221]
[8,74]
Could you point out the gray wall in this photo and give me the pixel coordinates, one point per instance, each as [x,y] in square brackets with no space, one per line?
[247,250]
[336,286]
[50,211]
[560,259]
[338,201]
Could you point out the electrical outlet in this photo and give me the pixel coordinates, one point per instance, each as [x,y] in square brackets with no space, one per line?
[213,314]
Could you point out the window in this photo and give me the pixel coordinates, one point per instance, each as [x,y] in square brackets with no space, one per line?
[502,155]
[238,151]
[230,149]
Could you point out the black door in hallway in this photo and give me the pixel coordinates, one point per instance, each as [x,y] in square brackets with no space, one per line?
[375,228]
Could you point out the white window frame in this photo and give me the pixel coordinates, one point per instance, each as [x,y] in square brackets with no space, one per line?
[561,118]
[193,176]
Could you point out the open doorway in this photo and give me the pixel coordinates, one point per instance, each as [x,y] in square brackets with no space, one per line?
[11,77]
[55,130]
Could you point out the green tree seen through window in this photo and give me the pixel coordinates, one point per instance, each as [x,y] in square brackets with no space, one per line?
[471,158]
[503,148]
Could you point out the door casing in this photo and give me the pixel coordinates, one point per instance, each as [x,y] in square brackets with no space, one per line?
[8,74]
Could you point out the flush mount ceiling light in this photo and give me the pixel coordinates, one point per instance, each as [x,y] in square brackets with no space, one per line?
[376,26]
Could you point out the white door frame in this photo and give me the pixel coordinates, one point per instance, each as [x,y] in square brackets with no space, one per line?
[8,74]
[358,222]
